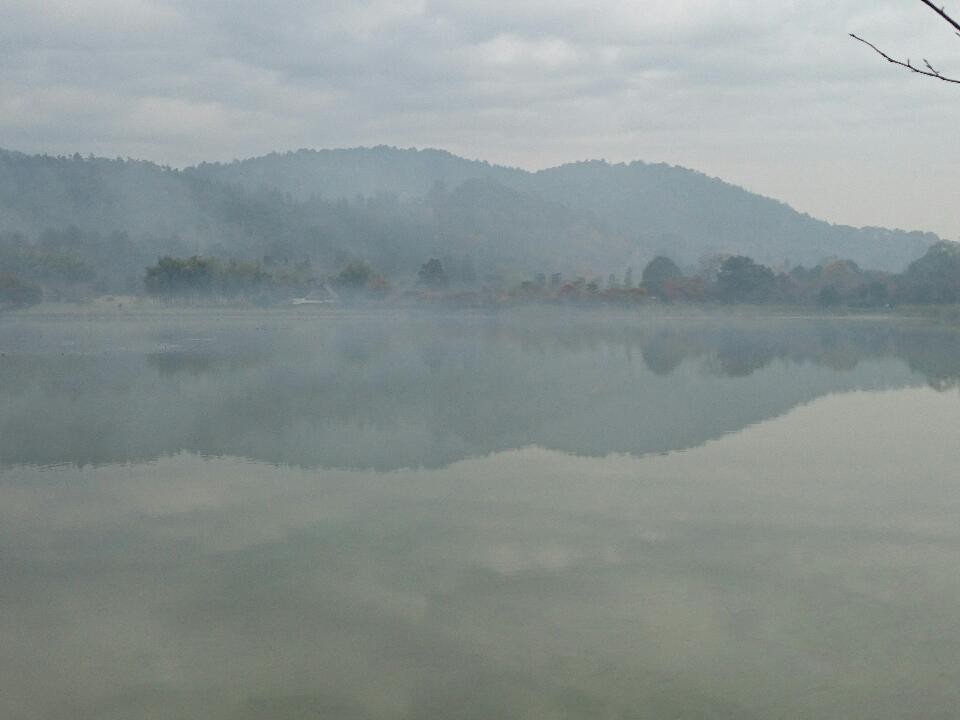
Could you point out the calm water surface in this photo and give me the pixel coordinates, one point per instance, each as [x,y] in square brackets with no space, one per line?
[581,516]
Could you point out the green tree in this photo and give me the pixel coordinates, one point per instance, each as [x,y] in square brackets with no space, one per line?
[241,278]
[829,296]
[872,294]
[432,275]
[935,277]
[176,276]
[657,272]
[354,277]
[742,280]
[358,278]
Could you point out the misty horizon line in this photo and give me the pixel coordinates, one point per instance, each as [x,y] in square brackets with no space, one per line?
[637,162]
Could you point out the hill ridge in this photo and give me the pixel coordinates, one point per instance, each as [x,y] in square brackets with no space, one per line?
[404,203]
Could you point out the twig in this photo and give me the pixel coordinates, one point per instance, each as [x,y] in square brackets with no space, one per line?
[940,11]
[930,72]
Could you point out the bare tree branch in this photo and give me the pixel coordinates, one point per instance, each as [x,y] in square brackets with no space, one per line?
[940,11]
[930,70]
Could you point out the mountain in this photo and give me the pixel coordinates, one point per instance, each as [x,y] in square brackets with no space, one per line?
[358,171]
[395,208]
[657,208]
[686,215]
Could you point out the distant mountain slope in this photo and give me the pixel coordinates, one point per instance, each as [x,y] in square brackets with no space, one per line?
[504,230]
[39,191]
[661,208]
[686,214]
[395,208]
[357,171]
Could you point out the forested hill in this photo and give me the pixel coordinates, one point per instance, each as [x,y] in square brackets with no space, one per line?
[396,208]
[347,173]
[658,208]
[685,214]
[69,205]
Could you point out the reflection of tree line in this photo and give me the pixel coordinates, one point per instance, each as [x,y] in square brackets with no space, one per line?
[737,348]
[367,393]
[731,352]
[739,353]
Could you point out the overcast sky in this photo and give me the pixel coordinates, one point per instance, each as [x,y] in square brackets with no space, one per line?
[768,94]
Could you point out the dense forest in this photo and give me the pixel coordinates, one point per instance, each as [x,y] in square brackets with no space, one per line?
[369,221]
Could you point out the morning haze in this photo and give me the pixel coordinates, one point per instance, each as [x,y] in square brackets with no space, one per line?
[374,430]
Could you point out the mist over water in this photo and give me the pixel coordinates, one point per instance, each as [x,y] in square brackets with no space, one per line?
[568,515]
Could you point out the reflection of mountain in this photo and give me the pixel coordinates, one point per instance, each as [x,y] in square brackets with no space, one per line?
[369,392]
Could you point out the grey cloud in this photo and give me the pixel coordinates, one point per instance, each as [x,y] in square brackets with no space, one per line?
[726,87]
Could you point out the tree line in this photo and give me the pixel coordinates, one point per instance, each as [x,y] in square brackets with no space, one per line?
[46,270]
[932,279]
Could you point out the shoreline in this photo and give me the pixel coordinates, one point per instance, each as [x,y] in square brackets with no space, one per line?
[133,307]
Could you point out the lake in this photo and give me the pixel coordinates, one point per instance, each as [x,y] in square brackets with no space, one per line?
[588,515]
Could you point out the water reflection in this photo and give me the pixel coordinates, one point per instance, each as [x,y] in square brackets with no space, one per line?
[779,572]
[363,392]
[540,559]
